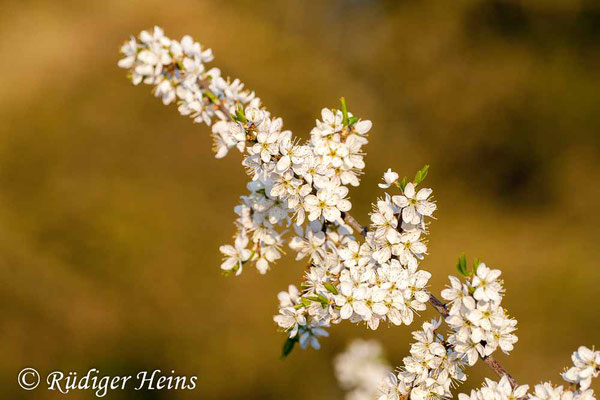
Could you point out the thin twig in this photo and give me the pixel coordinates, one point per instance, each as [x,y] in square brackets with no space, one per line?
[438,305]
[350,220]
[499,369]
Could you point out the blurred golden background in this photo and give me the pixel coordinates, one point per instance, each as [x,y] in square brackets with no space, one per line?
[112,206]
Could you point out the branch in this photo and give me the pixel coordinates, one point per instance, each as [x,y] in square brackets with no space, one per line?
[350,220]
[440,307]
[499,369]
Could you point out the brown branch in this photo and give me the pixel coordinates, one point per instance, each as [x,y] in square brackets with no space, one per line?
[438,305]
[441,308]
[499,369]
[350,220]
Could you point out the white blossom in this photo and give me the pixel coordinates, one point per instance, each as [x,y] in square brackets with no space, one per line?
[586,365]
[389,177]
[235,256]
[486,284]
[329,202]
[415,205]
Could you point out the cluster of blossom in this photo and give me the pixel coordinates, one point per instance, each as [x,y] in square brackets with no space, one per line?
[432,368]
[480,324]
[501,390]
[586,365]
[360,369]
[300,184]
[297,182]
[258,215]
[177,71]
[310,179]
[372,282]
[299,329]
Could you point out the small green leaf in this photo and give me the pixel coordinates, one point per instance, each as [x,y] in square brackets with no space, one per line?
[288,346]
[421,174]
[319,299]
[352,120]
[239,113]
[324,300]
[330,288]
[461,266]
[403,183]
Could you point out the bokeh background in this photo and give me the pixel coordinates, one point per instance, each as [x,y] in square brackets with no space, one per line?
[112,206]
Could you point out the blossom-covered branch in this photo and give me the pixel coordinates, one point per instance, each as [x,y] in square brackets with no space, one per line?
[298,193]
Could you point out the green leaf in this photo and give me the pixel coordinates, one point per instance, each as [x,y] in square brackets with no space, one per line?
[239,113]
[421,174]
[288,346]
[461,266]
[344,111]
[403,183]
[324,300]
[352,120]
[319,299]
[330,288]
